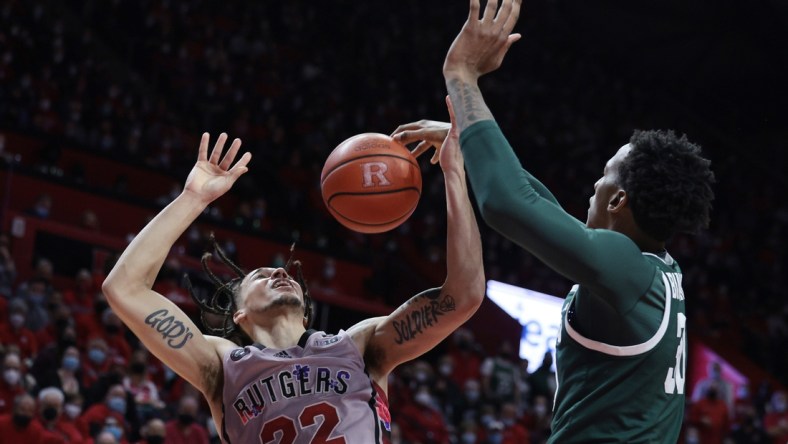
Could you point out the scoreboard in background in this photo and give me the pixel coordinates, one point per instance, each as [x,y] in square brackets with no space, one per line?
[538,313]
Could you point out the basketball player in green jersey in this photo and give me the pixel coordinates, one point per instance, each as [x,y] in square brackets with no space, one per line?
[621,352]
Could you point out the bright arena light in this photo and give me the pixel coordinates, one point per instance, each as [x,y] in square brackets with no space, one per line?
[538,313]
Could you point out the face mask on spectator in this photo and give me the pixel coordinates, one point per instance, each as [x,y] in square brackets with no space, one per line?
[468,438]
[17,320]
[185,418]
[116,431]
[117,404]
[423,398]
[72,410]
[154,439]
[780,405]
[36,298]
[445,369]
[137,368]
[540,409]
[21,421]
[70,363]
[472,395]
[421,376]
[49,413]
[96,355]
[12,376]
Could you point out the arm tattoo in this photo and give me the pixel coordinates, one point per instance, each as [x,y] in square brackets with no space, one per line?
[170,328]
[469,106]
[426,314]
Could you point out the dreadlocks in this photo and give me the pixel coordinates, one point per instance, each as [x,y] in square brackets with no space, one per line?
[222,304]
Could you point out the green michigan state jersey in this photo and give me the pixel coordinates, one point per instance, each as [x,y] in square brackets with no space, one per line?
[622,348]
[642,383]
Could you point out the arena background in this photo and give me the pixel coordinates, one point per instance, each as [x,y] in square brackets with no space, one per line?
[102,104]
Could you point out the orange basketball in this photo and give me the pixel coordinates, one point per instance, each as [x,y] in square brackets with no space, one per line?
[371,183]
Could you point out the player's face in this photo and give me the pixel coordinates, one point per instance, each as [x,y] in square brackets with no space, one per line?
[605,190]
[270,287]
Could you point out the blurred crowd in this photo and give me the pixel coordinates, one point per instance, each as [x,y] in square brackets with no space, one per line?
[139,81]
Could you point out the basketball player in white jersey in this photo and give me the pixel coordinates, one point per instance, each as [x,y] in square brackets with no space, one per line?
[292,385]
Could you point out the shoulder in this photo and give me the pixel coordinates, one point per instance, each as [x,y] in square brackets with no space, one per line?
[362,332]
[221,345]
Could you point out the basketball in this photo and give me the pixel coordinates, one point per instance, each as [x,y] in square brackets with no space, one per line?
[371,183]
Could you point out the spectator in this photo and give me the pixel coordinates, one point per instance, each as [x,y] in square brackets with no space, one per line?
[72,409]
[421,421]
[65,376]
[106,436]
[714,378]
[50,409]
[153,432]
[15,332]
[18,426]
[542,380]
[37,295]
[95,362]
[513,431]
[7,268]
[80,297]
[465,349]
[710,416]
[538,420]
[469,406]
[113,332]
[42,207]
[140,386]
[184,429]
[776,421]
[89,221]
[13,383]
[500,376]
[94,419]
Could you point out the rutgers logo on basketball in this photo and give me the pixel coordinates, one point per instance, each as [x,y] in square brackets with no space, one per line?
[374,174]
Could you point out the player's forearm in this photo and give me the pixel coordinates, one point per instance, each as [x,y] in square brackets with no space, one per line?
[464,267]
[469,106]
[140,262]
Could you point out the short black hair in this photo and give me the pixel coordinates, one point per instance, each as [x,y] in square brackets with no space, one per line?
[668,183]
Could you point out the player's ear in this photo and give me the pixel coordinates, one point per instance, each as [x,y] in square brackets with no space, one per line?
[239,315]
[617,201]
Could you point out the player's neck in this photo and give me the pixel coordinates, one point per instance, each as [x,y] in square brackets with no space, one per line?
[279,333]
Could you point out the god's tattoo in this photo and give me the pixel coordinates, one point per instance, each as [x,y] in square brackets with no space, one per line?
[171,329]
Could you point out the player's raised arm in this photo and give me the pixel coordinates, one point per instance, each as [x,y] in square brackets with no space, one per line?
[156,321]
[426,319]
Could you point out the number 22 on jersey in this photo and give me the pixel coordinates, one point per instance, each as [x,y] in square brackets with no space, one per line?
[286,428]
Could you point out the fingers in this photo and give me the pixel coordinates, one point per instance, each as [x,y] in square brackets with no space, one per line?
[202,153]
[432,135]
[421,148]
[240,167]
[473,15]
[490,10]
[231,153]
[514,14]
[406,127]
[436,156]
[216,154]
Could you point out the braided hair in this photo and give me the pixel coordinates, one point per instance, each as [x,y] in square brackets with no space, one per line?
[216,311]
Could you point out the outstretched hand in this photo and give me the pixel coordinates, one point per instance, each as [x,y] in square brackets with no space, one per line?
[429,133]
[481,45]
[213,176]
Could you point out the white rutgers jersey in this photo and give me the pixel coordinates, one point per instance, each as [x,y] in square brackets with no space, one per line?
[315,392]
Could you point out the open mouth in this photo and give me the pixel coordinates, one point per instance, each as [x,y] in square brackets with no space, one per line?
[281,283]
